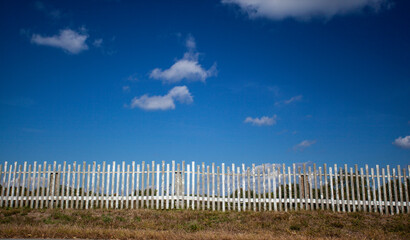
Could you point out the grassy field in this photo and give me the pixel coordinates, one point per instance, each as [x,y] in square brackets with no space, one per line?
[188,224]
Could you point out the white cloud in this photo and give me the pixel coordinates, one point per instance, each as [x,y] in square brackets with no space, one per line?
[263,121]
[304,144]
[98,42]
[304,9]
[126,88]
[166,102]
[402,142]
[289,101]
[68,40]
[187,68]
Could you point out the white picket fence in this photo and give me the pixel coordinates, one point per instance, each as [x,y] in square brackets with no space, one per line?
[164,186]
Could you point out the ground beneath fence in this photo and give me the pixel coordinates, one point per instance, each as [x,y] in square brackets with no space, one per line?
[189,224]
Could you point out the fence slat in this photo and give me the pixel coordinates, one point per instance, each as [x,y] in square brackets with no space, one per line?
[33,183]
[406,190]
[357,188]
[77,190]
[395,190]
[379,189]
[127,189]
[213,186]
[238,175]
[188,184]
[346,175]
[310,188]
[97,189]
[28,187]
[326,187]
[316,188]
[322,205]
[400,189]
[137,189]
[7,203]
[23,190]
[342,197]
[218,190]
[87,194]
[102,196]
[142,183]
[336,182]
[152,184]
[38,187]
[43,185]
[285,198]
[384,192]
[147,203]
[157,190]
[3,183]
[198,192]
[295,190]
[362,176]
[352,188]
[243,187]
[305,187]
[390,191]
[269,190]
[253,187]
[173,185]
[193,185]
[167,188]
[374,191]
[107,193]
[118,192]
[208,205]
[280,188]
[13,186]
[223,187]
[331,189]
[92,190]
[182,191]
[162,184]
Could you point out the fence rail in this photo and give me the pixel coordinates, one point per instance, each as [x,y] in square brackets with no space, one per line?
[269,187]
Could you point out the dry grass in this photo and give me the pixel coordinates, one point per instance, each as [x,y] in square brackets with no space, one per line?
[188,224]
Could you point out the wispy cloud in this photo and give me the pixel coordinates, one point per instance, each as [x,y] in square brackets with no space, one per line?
[67,39]
[289,101]
[263,121]
[125,88]
[403,142]
[304,144]
[187,68]
[180,94]
[98,42]
[305,9]
[48,10]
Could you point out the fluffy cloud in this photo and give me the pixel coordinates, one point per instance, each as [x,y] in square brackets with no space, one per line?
[263,121]
[187,68]
[304,9]
[402,142]
[304,144]
[67,39]
[166,102]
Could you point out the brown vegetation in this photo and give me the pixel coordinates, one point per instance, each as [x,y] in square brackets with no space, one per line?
[188,224]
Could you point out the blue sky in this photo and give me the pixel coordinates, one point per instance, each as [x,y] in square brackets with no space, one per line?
[205,81]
